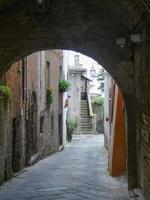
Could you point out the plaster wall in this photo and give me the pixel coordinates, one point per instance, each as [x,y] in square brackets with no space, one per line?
[106,108]
[75,98]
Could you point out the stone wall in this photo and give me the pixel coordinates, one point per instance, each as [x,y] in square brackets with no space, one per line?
[49,141]
[49,133]
[142,62]
[18,144]
[5,142]
[13,78]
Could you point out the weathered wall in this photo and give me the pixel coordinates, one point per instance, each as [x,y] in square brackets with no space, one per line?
[47,132]
[13,78]
[5,141]
[75,97]
[142,78]
[26,112]
[99,111]
[65,64]
[49,138]
[107,88]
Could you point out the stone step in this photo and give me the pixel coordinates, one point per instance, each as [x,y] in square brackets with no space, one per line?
[85,114]
[85,132]
[85,120]
[84,104]
[84,111]
[86,127]
[83,101]
[86,123]
[85,117]
[84,108]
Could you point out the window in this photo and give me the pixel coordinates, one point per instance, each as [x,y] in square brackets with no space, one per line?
[47,74]
[42,124]
[76,60]
[52,122]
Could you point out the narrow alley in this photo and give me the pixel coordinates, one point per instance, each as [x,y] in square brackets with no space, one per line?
[77,173]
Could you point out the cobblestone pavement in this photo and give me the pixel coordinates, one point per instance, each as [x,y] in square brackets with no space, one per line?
[77,173]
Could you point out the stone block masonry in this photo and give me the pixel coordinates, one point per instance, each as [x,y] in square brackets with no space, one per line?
[143,117]
[5,142]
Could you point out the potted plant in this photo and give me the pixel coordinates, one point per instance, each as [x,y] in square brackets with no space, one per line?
[5,92]
[72,124]
[64,85]
[49,96]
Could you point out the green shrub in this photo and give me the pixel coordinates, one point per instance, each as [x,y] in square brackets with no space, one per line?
[49,96]
[98,100]
[72,124]
[64,85]
[5,93]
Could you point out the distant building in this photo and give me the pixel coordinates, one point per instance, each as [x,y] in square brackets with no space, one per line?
[92,70]
[80,106]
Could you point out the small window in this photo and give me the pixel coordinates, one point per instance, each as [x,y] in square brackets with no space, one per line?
[47,74]
[42,124]
[52,122]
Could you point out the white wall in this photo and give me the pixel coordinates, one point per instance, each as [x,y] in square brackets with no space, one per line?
[65,94]
[107,83]
[42,86]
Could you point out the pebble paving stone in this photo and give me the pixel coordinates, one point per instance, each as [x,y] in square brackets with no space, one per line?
[77,173]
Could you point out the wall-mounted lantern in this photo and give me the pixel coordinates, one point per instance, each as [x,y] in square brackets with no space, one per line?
[136,38]
[42,6]
[93,72]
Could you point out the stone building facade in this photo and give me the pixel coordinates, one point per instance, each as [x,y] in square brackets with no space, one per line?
[80,104]
[34,124]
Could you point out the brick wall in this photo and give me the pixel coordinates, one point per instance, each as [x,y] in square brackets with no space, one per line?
[142,62]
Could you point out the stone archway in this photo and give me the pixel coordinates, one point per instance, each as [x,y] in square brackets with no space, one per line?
[90,27]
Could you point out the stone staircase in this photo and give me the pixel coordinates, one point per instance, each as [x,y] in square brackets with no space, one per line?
[86,123]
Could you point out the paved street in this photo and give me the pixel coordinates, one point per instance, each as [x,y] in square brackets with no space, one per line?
[77,173]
